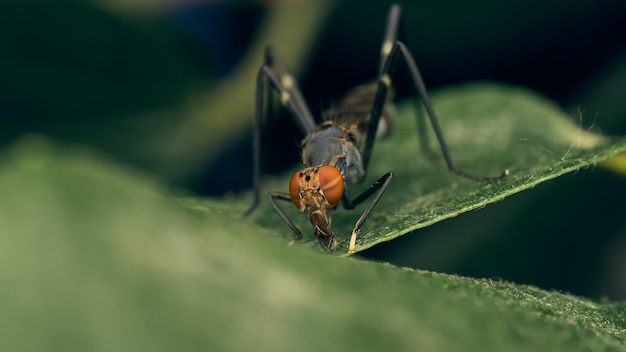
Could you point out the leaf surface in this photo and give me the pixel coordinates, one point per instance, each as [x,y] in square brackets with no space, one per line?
[97,257]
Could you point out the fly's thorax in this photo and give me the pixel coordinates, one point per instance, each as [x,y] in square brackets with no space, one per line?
[337,146]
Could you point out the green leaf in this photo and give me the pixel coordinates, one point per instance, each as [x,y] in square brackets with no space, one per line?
[94,257]
[488,128]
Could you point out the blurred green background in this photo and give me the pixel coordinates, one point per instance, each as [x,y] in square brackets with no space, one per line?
[168,87]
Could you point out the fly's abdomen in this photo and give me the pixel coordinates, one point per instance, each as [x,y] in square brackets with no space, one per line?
[356,107]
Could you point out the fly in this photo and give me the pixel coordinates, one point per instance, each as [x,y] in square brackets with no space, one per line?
[337,151]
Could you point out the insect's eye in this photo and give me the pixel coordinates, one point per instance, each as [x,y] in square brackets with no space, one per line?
[332,183]
[293,188]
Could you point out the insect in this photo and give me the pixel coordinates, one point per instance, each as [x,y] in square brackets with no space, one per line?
[337,151]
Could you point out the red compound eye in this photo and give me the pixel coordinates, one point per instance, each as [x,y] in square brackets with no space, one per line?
[293,189]
[331,183]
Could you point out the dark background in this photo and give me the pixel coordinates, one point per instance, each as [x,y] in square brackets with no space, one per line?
[86,73]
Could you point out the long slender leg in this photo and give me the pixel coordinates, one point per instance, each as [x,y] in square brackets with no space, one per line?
[420,118]
[387,64]
[290,91]
[422,137]
[391,34]
[273,196]
[377,187]
[394,32]
[290,98]
[384,83]
[421,88]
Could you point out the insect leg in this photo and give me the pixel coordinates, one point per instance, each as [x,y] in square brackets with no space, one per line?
[416,77]
[391,34]
[391,49]
[279,79]
[289,90]
[273,196]
[385,70]
[377,187]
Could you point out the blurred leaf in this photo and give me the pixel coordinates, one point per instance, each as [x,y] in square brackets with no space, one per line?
[98,258]
[128,83]
[69,62]
[489,128]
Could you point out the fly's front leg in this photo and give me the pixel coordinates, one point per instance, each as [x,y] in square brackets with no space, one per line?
[325,235]
[273,196]
[378,188]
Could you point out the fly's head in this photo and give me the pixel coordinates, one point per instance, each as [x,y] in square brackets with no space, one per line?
[317,190]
